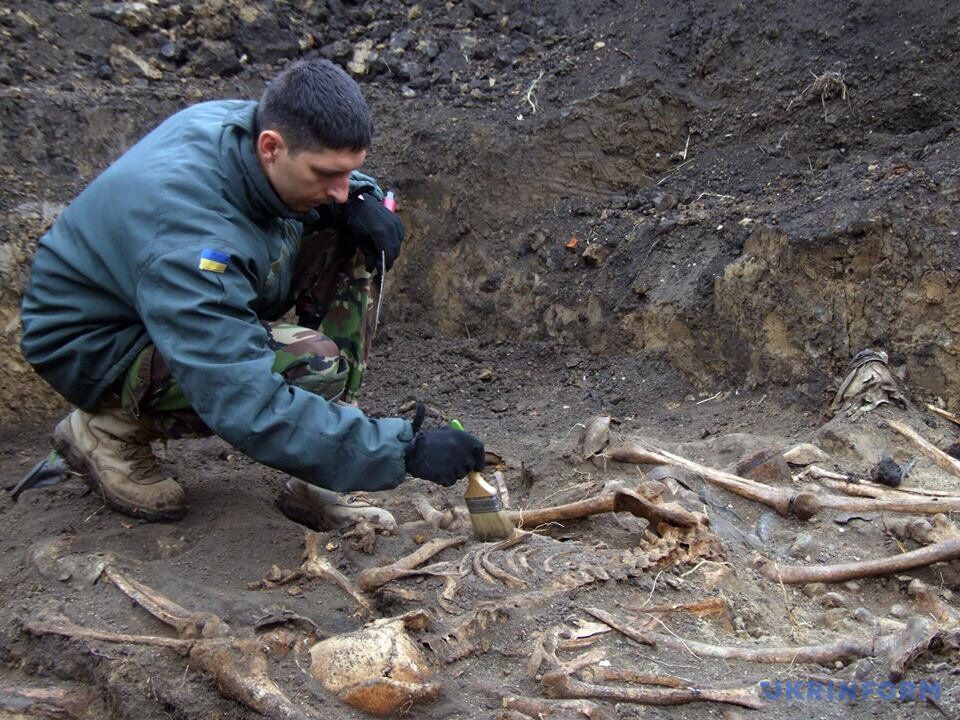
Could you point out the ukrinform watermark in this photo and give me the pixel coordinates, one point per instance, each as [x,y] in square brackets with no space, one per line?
[843,691]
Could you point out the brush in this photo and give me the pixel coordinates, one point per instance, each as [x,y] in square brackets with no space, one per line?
[490,521]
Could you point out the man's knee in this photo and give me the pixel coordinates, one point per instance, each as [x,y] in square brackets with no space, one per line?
[309,359]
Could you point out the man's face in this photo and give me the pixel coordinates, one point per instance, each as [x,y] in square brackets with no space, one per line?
[308,178]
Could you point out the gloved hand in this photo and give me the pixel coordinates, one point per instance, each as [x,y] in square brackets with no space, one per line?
[375,229]
[444,455]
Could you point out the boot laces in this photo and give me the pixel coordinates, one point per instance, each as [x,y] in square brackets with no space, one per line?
[142,460]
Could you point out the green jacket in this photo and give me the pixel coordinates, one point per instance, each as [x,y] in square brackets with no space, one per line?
[121,267]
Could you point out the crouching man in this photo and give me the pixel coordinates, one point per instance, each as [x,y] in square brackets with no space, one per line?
[153,301]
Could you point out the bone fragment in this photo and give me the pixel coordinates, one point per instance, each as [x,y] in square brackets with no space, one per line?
[541,708]
[800,574]
[595,436]
[321,568]
[372,578]
[187,624]
[439,519]
[621,500]
[237,666]
[825,654]
[803,505]
[605,674]
[923,531]
[926,600]
[59,625]
[46,702]
[239,671]
[557,684]
[944,414]
[942,460]
[776,498]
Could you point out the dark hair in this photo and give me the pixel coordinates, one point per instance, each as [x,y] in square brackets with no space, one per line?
[315,105]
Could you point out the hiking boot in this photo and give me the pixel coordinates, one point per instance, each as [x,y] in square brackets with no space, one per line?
[322,509]
[114,454]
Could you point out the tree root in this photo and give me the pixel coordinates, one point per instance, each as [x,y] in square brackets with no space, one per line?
[799,574]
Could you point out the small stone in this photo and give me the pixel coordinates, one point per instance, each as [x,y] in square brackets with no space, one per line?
[805,454]
[887,472]
[485,375]
[594,254]
[766,465]
[900,612]
[833,600]
[339,50]
[664,201]
[814,590]
[122,57]
[802,545]
[498,406]
[865,616]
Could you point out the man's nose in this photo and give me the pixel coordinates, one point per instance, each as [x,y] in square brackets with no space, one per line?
[340,190]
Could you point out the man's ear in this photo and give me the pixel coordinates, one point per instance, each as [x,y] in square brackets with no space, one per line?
[269,145]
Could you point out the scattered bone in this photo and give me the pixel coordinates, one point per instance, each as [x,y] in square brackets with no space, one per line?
[621,500]
[500,485]
[557,684]
[803,505]
[595,436]
[455,643]
[944,414]
[805,454]
[713,607]
[940,458]
[56,624]
[926,600]
[236,665]
[46,702]
[378,668]
[798,574]
[372,578]
[605,674]
[437,519]
[869,490]
[923,531]
[540,708]
[316,566]
[826,654]
[364,535]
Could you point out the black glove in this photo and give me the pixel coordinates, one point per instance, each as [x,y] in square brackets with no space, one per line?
[444,455]
[375,229]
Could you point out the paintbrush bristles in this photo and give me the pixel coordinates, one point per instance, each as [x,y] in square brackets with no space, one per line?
[490,521]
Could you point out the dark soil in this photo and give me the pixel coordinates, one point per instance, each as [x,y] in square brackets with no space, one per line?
[686,215]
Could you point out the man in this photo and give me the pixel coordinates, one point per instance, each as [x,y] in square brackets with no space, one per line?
[150,297]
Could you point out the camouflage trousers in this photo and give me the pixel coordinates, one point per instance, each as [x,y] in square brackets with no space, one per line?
[325,353]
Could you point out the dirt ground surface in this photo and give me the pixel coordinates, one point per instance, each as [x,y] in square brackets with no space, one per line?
[687,217]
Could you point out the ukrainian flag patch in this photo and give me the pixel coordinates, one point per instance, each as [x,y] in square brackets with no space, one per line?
[214,260]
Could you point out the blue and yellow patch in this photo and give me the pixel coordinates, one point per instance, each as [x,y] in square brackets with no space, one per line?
[214,260]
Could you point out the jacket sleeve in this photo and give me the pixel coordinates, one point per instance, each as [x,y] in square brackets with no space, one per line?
[203,324]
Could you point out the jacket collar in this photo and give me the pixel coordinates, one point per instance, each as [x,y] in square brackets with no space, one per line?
[243,167]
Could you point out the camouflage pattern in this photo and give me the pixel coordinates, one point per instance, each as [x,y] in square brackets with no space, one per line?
[325,354]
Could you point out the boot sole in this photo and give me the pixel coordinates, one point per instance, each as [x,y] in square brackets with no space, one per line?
[78,461]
